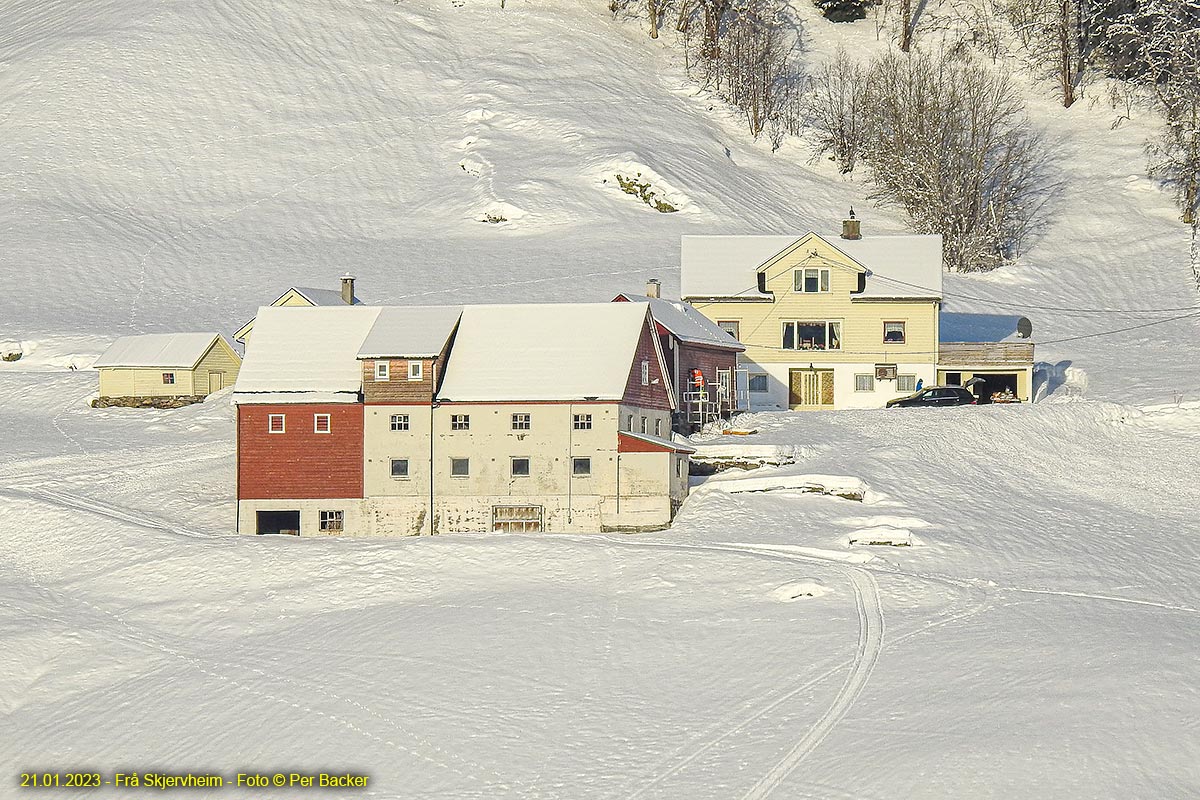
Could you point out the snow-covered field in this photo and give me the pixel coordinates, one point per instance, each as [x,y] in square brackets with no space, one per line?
[168,166]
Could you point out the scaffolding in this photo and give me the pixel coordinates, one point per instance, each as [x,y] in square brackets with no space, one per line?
[705,402]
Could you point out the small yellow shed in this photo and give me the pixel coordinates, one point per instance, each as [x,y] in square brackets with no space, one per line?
[167,365]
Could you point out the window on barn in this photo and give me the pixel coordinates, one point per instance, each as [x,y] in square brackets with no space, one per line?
[643,424]
[399,422]
[582,422]
[460,422]
[645,373]
[629,422]
[415,370]
[893,332]
[399,467]
[581,467]
[521,422]
[759,382]
[658,426]
[275,423]
[460,467]
[520,467]
[864,383]
[333,521]
[906,383]
[168,378]
[383,371]
[320,423]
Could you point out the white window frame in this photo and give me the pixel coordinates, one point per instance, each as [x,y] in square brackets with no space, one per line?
[581,422]
[903,331]
[824,279]
[912,379]
[454,474]
[766,380]
[643,423]
[658,426]
[416,371]
[392,468]
[331,521]
[829,337]
[866,375]
[271,423]
[645,373]
[726,324]
[528,466]
[522,422]
[168,378]
[317,423]
[460,422]
[383,371]
[399,422]
[575,462]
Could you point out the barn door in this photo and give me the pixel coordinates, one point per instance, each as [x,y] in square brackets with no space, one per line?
[215,382]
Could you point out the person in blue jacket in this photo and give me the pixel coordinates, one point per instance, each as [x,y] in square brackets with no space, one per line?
[920,383]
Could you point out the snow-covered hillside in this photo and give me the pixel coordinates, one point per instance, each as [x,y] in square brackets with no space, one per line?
[172,165]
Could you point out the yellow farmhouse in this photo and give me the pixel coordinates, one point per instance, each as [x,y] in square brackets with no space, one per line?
[166,366]
[307,297]
[836,322]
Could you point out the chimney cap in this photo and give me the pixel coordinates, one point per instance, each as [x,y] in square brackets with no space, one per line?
[347,277]
[852,213]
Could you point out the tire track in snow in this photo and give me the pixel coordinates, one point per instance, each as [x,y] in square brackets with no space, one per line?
[870,645]
[102,509]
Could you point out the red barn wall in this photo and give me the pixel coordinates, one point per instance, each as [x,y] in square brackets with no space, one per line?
[655,395]
[300,463]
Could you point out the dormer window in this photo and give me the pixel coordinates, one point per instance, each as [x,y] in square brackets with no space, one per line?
[811,280]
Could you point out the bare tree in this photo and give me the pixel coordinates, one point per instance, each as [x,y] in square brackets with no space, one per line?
[758,75]
[948,142]
[835,111]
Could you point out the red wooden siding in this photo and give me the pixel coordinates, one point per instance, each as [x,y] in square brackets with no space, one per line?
[655,395]
[300,463]
[707,359]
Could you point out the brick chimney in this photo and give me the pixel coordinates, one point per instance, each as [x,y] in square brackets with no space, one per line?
[850,227]
[348,289]
[654,288]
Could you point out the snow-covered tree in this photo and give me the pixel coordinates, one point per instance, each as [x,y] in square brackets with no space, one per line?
[835,111]
[844,10]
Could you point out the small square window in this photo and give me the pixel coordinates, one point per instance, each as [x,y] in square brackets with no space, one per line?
[730,326]
[399,467]
[893,333]
[645,373]
[864,383]
[320,423]
[333,521]
[521,422]
[460,467]
[168,378]
[383,371]
[658,426]
[581,467]
[460,422]
[759,382]
[906,383]
[416,370]
[520,467]
[582,422]
[275,423]
[399,422]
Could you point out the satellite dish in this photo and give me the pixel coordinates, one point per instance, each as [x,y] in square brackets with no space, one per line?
[1024,328]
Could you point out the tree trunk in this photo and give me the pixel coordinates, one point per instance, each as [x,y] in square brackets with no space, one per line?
[652,12]
[1066,53]
[906,25]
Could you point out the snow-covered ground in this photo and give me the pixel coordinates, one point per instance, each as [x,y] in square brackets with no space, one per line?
[170,166]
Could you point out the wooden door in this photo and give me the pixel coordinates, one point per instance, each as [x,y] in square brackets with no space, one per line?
[215,382]
[810,387]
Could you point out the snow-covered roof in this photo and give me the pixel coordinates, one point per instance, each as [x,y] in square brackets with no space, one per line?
[321,297]
[686,323]
[305,355]
[964,327]
[561,351]
[726,266]
[158,350]
[412,331]
[667,444]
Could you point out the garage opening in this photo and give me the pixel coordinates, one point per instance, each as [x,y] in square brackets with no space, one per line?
[995,388]
[285,522]
[517,519]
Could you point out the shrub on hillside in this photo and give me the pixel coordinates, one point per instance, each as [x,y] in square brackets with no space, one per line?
[844,10]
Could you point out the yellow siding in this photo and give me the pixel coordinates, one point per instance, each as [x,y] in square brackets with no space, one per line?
[761,323]
[143,382]
[220,358]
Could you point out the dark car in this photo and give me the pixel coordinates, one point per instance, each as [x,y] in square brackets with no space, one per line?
[934,397]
